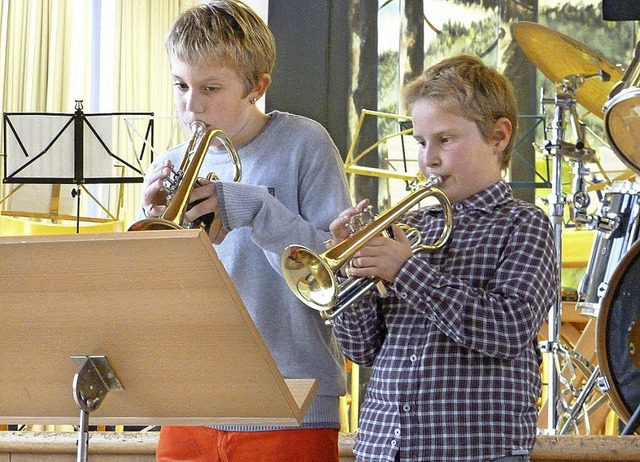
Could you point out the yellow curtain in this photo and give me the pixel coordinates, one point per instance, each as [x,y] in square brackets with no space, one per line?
[142,74]
[46,48]
[41,54]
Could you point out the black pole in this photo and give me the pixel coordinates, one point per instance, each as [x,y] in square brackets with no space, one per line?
[633,423]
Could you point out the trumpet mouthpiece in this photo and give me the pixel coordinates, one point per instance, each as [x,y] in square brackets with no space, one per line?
[433,179]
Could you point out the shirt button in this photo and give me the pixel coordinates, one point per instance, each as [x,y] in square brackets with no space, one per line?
[413,358]
[393,442]
[396,432]
[406,408]
[457,207]
[403,295]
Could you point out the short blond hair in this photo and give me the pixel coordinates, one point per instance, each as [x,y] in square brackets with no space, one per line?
[466,86]
[226,30]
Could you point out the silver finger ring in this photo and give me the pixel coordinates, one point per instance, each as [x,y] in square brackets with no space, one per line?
[352,263]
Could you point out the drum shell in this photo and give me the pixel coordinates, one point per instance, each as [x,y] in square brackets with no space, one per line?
[617,332]
[622,122]
[622,115]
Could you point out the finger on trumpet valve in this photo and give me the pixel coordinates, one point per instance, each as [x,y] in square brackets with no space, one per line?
[367,215]
[352,229]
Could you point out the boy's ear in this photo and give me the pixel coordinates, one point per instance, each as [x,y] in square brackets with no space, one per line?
[502,131]
[261,87]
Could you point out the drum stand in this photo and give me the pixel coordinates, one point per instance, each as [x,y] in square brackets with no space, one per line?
[633,424]
[564,102]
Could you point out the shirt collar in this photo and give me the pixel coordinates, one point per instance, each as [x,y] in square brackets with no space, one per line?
[487,199]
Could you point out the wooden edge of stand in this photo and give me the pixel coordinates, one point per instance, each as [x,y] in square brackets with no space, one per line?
[586,447]
[22,442]
[303,392]
[554,448]
[548,448]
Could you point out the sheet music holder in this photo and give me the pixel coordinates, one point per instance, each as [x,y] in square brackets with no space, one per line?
[73,149]
[160,307]
[60,141]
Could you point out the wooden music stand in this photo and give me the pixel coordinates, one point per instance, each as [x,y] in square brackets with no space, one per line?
[155,307]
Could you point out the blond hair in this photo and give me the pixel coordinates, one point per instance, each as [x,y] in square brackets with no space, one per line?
[225,30]
[466,86]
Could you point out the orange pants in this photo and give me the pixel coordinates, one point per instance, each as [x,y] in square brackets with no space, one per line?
[202,444]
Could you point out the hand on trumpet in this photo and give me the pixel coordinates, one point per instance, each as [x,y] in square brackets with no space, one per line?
[203,201]
[154,195]
[339,227]
[381,256]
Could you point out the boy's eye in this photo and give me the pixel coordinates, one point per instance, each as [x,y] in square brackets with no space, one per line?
[446,139]
[180,85]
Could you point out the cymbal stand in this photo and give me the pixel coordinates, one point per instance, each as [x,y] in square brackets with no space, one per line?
[564,104]
[580,201]
[578,405]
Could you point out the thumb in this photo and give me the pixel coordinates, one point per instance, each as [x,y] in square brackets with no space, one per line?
[399,234]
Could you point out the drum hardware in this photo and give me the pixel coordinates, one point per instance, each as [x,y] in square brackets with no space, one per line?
[564,104]
[556,203]
[577,401]
[617,228]
[579,199]
[584,76]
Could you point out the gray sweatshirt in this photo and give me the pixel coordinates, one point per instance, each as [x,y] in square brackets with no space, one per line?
[293,185]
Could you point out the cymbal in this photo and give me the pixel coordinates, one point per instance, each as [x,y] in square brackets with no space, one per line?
[559,56]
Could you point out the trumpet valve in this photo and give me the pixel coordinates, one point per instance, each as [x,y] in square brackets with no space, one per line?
[360,220]
[172,182]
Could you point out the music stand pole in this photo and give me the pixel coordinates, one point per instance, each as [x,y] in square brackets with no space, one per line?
[94,379]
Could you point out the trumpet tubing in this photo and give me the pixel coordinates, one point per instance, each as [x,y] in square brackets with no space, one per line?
[182,181]
[312,277]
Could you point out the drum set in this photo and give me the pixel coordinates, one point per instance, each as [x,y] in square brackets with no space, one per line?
[609,292]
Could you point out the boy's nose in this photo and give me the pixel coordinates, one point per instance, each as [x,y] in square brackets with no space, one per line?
[193,103]
[429,157]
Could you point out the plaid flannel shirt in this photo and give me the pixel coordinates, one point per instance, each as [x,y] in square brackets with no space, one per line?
[455,366]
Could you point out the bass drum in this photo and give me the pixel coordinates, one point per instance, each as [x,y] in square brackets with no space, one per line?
[618,335]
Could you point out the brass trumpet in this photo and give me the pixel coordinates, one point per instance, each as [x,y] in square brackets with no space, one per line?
[312,277]
[181,182]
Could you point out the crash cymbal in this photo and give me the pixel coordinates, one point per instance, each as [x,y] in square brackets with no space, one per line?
[558,56]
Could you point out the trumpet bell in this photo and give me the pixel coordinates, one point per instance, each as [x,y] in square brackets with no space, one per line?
[313,279]
[153,224]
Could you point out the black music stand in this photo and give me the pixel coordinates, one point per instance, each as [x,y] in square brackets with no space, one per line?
[59,148]
[152,315]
